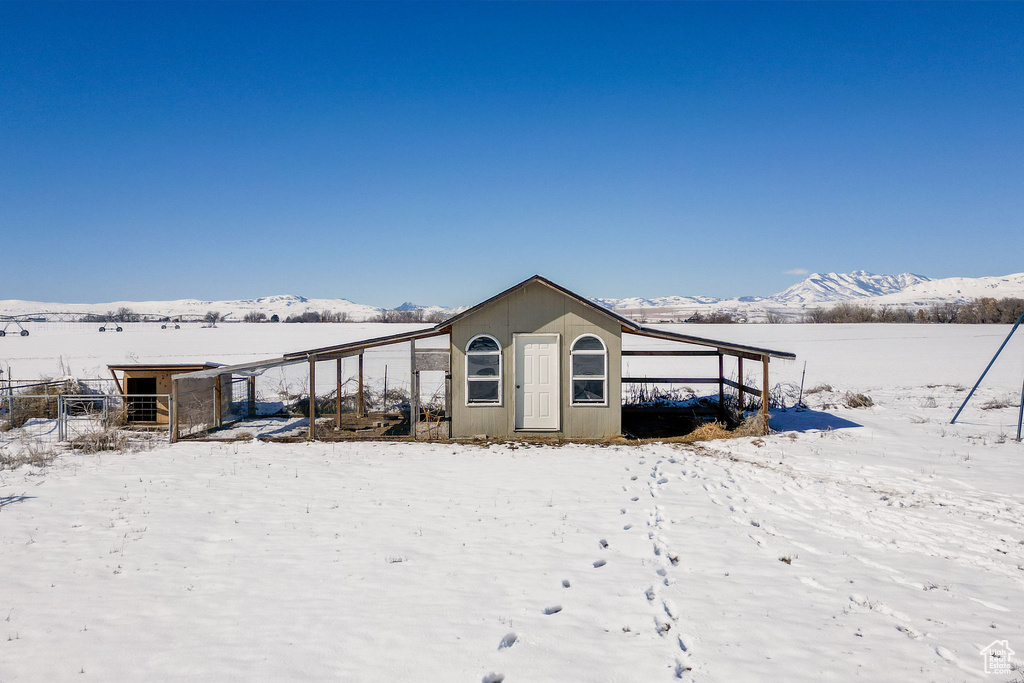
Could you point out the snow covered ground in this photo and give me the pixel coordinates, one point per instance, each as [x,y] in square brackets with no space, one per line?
[878,543]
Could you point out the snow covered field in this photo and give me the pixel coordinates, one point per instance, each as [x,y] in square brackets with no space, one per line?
[875,544]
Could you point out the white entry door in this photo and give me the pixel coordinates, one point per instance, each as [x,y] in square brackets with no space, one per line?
[537,381]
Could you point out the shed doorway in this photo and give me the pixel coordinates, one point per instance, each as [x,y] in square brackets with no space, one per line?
[141,408]
[537,380]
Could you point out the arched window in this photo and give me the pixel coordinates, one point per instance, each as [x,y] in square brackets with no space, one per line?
[483,370]
[589,371]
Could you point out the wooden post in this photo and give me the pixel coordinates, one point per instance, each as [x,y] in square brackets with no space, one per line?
[174,410]
[252,396]
[740,382]
[721,384]
[448,402]
[362,404]
[414,391]
[217,406]
[764,393]
[337,395]
[312,398]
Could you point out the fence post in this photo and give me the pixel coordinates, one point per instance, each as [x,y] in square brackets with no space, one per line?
[174,410]
[337,393]
[765,395]
[362,404]
[312,398]
[60,417]
[217,417]
[252,396]
[740,389]
[414,391]
[721,384]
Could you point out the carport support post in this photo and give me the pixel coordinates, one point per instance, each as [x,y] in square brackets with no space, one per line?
[414,391]
[337,394]
[721,384]
[362,404]
[739,365]
[252,396]
[764,393]
[174,410]
[312,398]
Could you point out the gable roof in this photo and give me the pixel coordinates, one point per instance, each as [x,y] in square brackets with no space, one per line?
[628,325]
[444,327]
[553,285]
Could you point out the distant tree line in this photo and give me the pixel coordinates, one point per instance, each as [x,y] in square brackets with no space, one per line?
[979,311]
[391,315]
[121,315]
[715,317]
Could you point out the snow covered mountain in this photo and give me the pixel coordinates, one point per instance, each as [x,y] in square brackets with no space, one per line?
[282,305]
[834,287]
[956,289]
[826,289]
[820,289]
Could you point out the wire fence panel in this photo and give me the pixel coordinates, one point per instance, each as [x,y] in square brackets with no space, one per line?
[36,427]
[354,395]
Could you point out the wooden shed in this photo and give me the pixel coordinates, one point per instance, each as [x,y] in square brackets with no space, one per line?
[147,389]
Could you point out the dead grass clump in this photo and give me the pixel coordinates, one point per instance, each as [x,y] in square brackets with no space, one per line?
[851,400]
[709,431]
[96,442]
[999,403]
[27,452]
[819,389]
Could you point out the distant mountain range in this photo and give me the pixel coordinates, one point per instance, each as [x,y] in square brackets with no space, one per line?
[816,290]
[825,289]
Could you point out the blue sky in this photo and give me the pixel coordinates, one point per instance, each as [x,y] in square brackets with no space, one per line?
[441,152]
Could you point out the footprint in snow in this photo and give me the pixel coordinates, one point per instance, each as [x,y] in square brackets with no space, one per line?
[634,499]
[683,667]
[493,678]
[633,478]
[908,631]
[603,543]
[599,563]
[628,527]
[508,641]
[554,609]
[565,583]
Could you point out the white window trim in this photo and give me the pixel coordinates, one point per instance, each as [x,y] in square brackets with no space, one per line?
[501,373]
[573,377]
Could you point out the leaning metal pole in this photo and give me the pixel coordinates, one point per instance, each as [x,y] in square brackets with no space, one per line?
[987,368]
[1020,412]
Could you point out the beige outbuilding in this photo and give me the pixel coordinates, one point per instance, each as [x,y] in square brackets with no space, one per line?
[536,360]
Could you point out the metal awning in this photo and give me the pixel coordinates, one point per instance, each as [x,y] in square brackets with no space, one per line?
[245,369]
[729,348]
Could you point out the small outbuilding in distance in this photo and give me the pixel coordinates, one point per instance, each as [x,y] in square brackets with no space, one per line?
[147,389]
[536,360]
